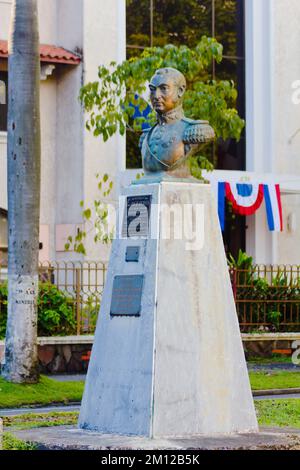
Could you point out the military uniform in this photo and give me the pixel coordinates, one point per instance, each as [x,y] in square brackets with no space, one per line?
[166,146]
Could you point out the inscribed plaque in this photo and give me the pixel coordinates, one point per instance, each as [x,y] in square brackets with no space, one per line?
[127,295]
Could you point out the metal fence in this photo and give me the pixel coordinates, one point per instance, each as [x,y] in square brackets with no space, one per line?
[266,297]
[70,289]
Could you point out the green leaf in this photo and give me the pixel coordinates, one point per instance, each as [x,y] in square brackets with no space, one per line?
[81,249]
[87,214]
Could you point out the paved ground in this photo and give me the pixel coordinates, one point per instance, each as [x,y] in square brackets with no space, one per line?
[280,366]
[68,377]
[76,406]
[276,397]
[40,409]
[67,437]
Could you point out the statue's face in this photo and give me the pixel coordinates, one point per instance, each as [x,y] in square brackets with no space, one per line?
[165,94]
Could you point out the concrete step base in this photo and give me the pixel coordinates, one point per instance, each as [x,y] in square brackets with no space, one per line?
[70,438]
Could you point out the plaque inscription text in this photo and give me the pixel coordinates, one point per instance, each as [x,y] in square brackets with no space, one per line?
[127,295]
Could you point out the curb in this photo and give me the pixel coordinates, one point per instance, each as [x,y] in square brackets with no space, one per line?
[276,391]
[36,406]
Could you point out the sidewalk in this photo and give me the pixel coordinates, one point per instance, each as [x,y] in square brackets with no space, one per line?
[68,377]
[280,366]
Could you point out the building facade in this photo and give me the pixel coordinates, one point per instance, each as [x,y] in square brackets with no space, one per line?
[94,31]
[260,53]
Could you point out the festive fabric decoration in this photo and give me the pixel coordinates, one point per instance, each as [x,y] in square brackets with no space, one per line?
[273,207]
[221,204]
[138,113]
[246,199]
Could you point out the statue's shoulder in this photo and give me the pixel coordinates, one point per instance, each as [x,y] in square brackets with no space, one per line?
[193,122]
[197,131]
[143,136]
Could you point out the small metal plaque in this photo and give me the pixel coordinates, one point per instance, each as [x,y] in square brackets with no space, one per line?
[127,295]
[132,254]
[136,217]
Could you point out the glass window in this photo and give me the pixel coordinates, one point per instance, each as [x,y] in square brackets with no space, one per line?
[160,22]
[227,23]
[138,26]
[3,101]
[181,22]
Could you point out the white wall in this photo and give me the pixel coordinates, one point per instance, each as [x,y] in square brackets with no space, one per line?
[286,40]
[70,155]
[288,241]
[69,178]
[286,149]
[70,24]
[272,39]
[48,153]
[104,41]
[5,9]
[3,170]
[47,21]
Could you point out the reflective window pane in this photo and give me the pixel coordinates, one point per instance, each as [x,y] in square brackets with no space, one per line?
[181,21]
[137,25]
[229,26]
[185,22]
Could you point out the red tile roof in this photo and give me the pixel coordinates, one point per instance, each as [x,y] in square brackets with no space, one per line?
[48,53]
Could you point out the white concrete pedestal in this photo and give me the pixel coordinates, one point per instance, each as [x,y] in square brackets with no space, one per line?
[178,369]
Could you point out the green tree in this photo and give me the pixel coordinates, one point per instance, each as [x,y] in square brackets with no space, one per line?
[109,100]
[21,364]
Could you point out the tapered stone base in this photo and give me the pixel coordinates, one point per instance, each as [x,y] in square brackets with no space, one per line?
[177,369]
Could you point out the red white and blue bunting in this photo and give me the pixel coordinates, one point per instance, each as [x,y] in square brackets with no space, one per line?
[247,198]
[273,207]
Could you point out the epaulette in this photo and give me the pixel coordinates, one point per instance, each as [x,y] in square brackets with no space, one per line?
[194,121]
[143,136]
[198,132]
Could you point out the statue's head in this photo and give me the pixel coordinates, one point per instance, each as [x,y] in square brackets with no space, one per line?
[167,87]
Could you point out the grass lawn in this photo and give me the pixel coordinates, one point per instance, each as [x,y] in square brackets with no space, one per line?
[10,442]
[33,420]
[38,420]
[278,412]
[277,379]
[47,391]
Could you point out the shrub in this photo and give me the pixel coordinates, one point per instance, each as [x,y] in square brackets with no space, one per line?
[55,311]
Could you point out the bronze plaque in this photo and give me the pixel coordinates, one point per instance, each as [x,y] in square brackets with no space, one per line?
[127,295]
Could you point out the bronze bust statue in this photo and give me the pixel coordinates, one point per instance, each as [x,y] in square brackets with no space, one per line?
[167,145]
